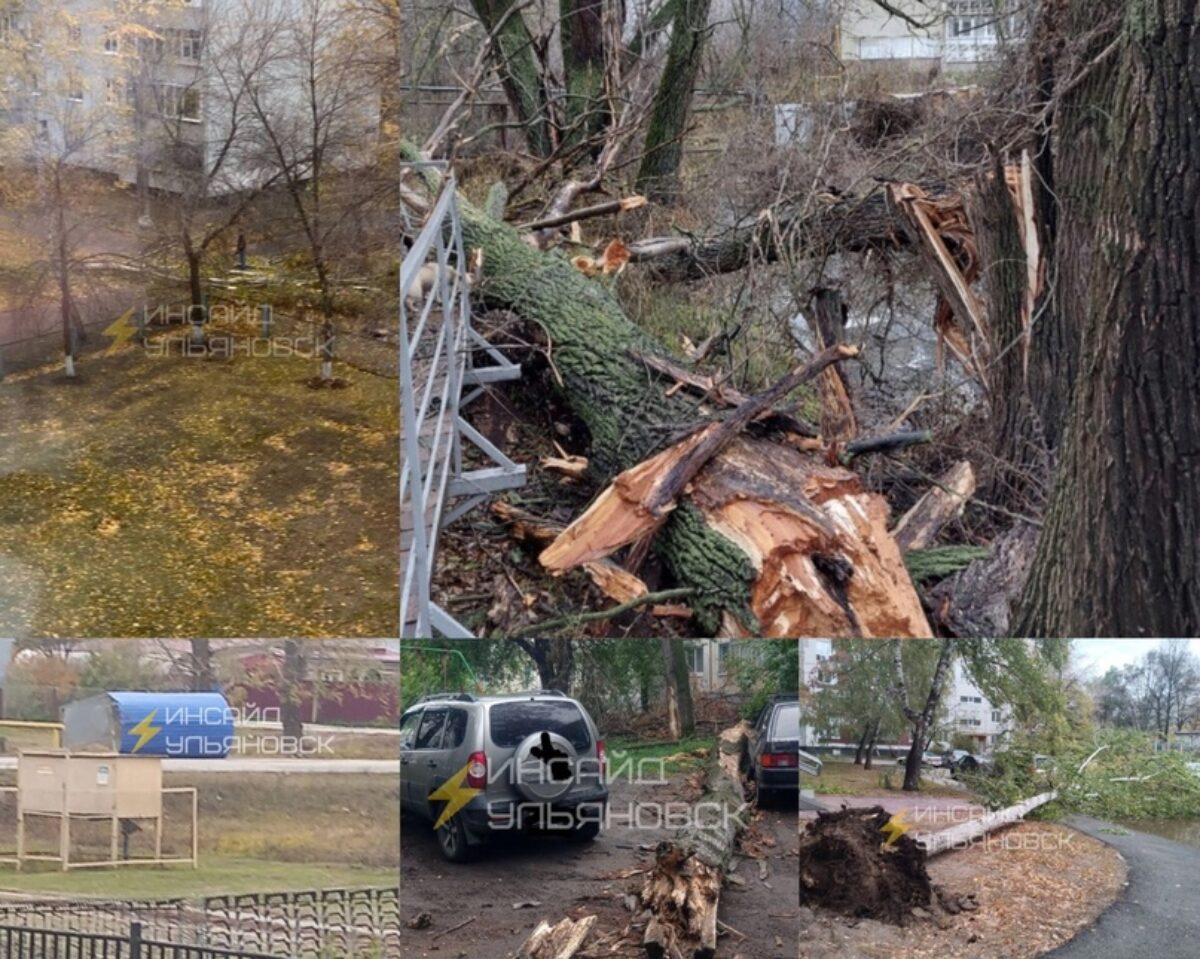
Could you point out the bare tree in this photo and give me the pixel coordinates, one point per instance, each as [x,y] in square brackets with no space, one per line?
[302,73]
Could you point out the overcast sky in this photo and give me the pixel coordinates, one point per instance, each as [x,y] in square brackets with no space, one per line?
[1097,655]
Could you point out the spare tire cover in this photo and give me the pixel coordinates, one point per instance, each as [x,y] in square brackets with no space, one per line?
[544,766]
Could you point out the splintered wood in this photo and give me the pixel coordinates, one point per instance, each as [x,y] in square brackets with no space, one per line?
[824,560]
[933,225]
[560,941]
[683,891]
[945,500]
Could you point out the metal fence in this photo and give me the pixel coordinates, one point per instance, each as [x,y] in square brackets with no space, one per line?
[438,347]
[20,942]
[311,924]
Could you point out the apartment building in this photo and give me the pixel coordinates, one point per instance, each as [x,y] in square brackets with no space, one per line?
[969,713]
[932,34]
[155,92]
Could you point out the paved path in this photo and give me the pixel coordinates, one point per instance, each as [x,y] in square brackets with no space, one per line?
[1158,914]
[234,764]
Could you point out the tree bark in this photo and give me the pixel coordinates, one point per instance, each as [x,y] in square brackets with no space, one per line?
[520,75]
[1120,551]
[680,712]
[862,744]
[922,720]
[292,691]
[581,37]
[202,667]
[658,174]
[1018,472]
[683,890]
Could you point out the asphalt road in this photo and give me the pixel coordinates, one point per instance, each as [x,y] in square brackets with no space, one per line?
[289,766]
[1158,915]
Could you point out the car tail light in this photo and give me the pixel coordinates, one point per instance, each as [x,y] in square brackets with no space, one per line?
[477,771]
[778,760]
[602,756]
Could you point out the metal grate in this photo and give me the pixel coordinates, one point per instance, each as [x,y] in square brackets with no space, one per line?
[437,351]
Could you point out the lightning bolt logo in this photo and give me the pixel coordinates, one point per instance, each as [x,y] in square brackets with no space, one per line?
[121,330]
[145,731]
[895,828]
[455,794]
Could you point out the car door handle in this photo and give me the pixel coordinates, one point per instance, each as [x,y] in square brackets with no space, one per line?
[431,763]
[403,760]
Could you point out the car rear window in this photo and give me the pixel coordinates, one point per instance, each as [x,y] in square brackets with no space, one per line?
[513,722]
[787,723]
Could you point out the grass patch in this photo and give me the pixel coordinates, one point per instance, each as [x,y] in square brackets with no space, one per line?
[172,496]
[839,778]
[622,751]
[216,876]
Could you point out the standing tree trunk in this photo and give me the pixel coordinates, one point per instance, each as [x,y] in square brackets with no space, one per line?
[1120,551]
[922,721]
[862,744]
[874,738]
[202,668]
[554,660]
[581,37]
[520,74]
[658,175]
[680,714]
[293,689]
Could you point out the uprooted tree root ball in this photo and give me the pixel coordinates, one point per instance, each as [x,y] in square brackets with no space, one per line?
[848,866]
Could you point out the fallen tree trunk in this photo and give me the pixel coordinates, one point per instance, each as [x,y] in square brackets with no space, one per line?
[966,833]
[773,542]
[849,224]
[683,890]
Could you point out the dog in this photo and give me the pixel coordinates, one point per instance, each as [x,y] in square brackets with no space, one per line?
[426,281]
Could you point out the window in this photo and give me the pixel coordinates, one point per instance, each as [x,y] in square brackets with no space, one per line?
[114,92]
[513,722]
[75,87]
[74,35]
[787,722]
[695,658]
[186,44]
[112,43]
[408,729]
[995,715]
[722,656]
[8,26]
[456,729]
[178,102]
[429,733]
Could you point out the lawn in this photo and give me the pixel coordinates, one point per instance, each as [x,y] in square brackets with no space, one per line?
[216,876]
[175,496]
[676,755]
[839,778]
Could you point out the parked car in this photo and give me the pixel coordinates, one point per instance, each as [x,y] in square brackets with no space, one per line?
[928,758]
[961,761]
[532,760]
[775,758]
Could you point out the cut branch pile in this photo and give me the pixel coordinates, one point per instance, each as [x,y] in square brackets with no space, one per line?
[683,890]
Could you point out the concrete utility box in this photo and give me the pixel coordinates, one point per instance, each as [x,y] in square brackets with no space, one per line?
[90,784]
[177,725]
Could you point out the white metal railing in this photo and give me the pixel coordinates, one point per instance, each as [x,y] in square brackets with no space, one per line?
[437,347]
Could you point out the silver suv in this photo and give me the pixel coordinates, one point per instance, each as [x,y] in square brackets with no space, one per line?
[509,763]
